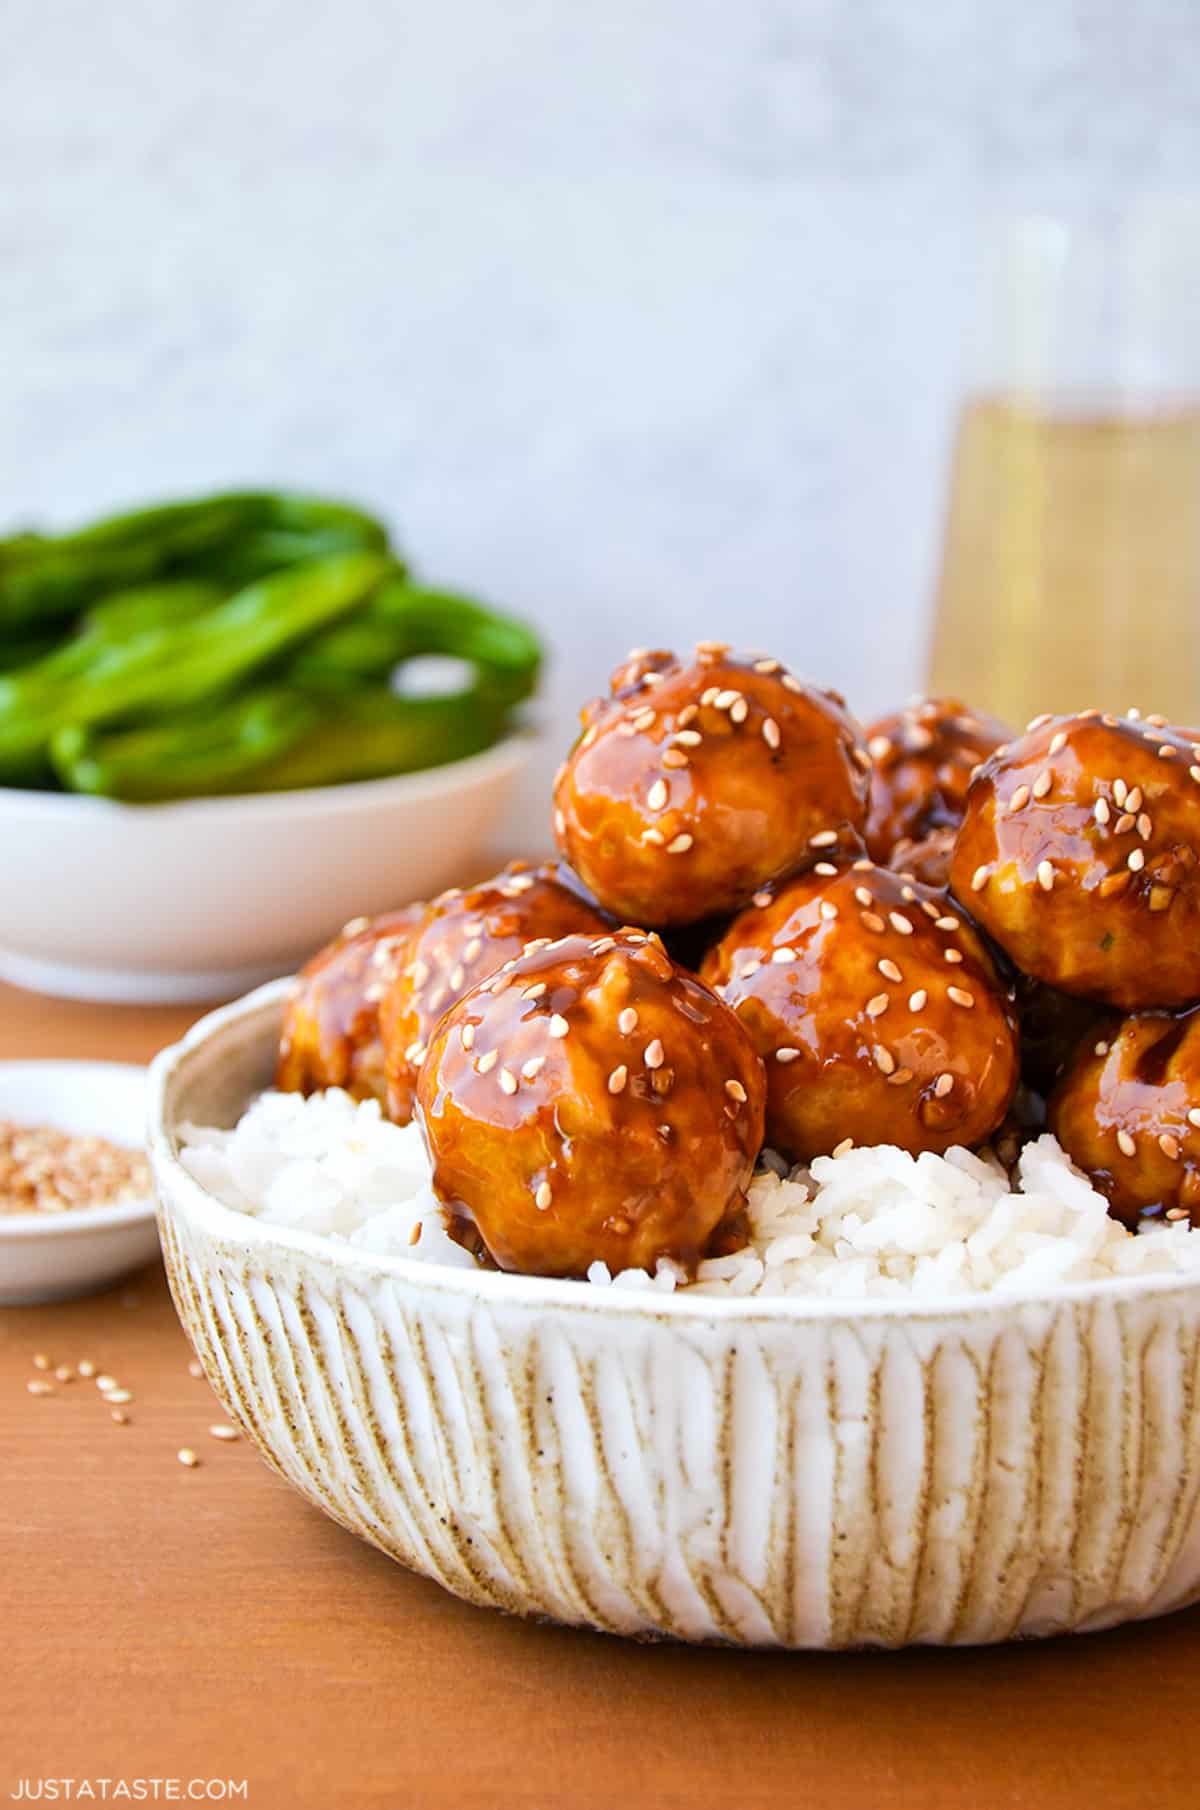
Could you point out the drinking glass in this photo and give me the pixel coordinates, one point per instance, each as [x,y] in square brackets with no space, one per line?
[1070,573]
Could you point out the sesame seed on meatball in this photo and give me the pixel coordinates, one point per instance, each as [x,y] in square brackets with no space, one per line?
[922,759]
[330,1035]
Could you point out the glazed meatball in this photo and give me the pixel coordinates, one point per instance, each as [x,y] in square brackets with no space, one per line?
[922,759]
[876,1009]
[459,940]
[1128,1111]
[1078,855]
[592,1102]
[331,1035]
[699,780]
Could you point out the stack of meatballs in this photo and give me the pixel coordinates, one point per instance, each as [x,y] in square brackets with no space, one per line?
[768,926]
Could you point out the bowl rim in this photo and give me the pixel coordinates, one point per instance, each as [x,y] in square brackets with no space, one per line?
[72,808]
[18,1228]
[491,1288]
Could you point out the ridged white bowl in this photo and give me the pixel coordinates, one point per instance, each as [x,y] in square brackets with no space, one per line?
[804,1474]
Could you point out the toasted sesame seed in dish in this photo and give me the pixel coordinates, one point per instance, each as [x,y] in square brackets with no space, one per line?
[78,1202]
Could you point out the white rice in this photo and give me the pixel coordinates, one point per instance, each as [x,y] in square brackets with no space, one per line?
[873,1222]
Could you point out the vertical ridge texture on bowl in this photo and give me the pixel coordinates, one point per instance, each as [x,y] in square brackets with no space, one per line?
[816,1479]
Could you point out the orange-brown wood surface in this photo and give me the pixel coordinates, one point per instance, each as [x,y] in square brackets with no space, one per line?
[166,1623]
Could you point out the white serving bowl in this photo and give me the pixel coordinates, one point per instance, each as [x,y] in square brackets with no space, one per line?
[200,899]
[51,1256]
[764,1472]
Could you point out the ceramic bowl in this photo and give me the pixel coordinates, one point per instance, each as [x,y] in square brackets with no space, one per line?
[51,1256]
[775,1473]
[200,899]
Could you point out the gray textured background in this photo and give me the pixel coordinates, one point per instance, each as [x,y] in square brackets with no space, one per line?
[644,317]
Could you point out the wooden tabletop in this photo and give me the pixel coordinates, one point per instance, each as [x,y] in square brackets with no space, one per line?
[206,1624]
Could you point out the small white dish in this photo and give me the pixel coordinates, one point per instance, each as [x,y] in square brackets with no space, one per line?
[52,1256]
[160,903]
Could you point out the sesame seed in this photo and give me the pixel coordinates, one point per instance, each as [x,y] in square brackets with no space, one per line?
[823,839]
[41,1361]
[901,1077]
[543,1197]
[674,758]
[1120,789]
[916,1001]
[627,1021]
[770,732]
[536,991]
[1144,826]
[736,1091]
[828,910]
[1058,742]
[842,1149]
[64,1374]
[653,1054]
[487,1063]
[900,923]
[680,844]
[1194,1116]
[863,896]
[1195,773]
[790,683]
[508,1081]
[1126,1144]
[187,1457]
[1042,784]
[908,895]
[739,710]
[952,955]
[930,909]
[657,796]
[558,1026]
[105,1382]
[783,955]
[959,997]
[86,1367]
[471,952]
[560,824]
[863,865]
[654,836]
[871,920]
[766,666]
[979,879]
[946,923]
[763,899]
[644,719]
[1136,861]
[618,1078]
[1166,752]
[415,1053]
[1045,876]
[531,1069]
[879,747]
[1100,810]
[1038,722]
[885,1062]
[724,699]
[1177,1213]
[711,695]
[39,1386]
[689,738]
[1101,1048]
[1123,824]
[889,970]
[457,976]
[826,869]
[1114,883]
[1133,800]
[786,1054]
[119,1416]
[652,678]
[195,1367]
[466,1036]
[1019,799]
[1169,1146]
[221,1429]
[943,1085]
[118,1397]
[877,1006]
